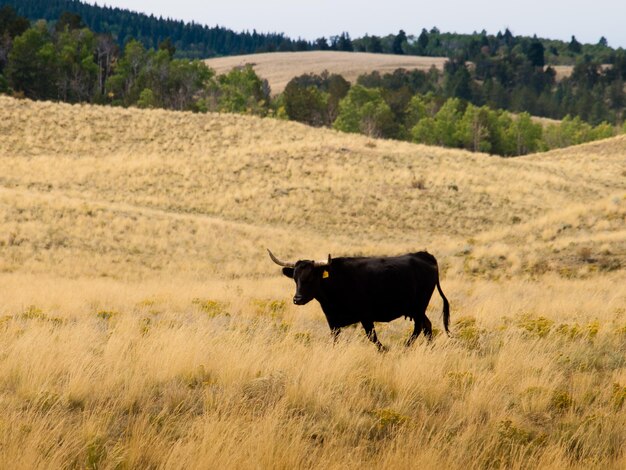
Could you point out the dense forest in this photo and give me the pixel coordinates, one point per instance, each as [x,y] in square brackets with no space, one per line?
[483,105]
[434,43]
[191,40]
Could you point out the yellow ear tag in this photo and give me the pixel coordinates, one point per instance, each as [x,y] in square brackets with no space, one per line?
[325,275]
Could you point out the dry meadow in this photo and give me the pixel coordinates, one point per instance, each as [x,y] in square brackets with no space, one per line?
[142,324]
[280,67]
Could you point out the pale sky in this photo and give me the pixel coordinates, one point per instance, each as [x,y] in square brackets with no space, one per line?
[553,19]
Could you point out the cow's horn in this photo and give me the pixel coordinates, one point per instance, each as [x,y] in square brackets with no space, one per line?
[279,262]
[320,264]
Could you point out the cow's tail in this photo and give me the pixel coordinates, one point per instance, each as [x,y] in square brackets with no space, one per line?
[446,308]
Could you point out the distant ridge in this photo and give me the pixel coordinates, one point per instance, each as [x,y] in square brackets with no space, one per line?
[191,39]
[194,40]
[280,67]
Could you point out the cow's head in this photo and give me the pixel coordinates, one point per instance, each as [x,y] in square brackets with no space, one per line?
[307,275]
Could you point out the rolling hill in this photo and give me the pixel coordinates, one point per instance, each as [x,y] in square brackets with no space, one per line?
[274,180]
[280,67]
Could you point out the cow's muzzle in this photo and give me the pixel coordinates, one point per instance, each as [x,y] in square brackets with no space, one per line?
[299,300]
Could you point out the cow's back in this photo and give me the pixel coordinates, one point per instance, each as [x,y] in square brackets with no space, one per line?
[382,289]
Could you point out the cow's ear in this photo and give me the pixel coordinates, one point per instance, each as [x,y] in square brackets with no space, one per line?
[288,272]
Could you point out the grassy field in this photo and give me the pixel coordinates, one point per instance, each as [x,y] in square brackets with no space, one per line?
[280,67]
[142,324]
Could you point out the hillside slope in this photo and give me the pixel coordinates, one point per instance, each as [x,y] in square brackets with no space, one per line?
[128,185]
[280,67]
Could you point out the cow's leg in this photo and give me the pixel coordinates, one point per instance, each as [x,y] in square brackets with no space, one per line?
[371,335]
[428,327]
[416,331]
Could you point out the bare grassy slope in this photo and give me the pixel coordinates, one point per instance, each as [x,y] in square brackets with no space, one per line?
[280,67]
[277,182]
[143,326]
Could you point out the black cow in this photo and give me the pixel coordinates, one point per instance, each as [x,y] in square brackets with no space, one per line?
[368,290]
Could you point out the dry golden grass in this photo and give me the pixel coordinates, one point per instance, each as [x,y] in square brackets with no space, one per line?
[562,71]
[101,374]
[280,67]
[565,71]
[143,326]
[134,191]
[544,121]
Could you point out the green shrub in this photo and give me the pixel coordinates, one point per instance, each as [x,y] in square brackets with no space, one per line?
[272,307]
[212,308]
[106,314]
[467,332]
[535,326]
[560,401]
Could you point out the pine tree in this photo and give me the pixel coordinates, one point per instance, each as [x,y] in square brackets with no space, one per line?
[398,43]
[344,43]
[422,40]
[375,45]
[574,46]
[536,54]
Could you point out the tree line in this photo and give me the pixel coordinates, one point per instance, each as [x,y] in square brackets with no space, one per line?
[502,71]
[71,63]
[476,46]
[370,108]
[66,61]
[193,40]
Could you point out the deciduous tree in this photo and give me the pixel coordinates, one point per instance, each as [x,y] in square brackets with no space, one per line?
[364,110]
[33,64]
